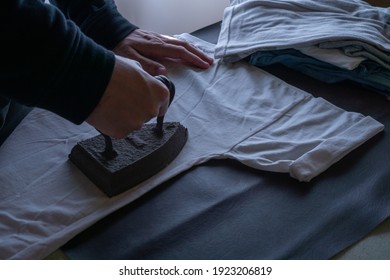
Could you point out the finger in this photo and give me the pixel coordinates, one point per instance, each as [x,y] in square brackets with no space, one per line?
[189,47]
[170,47]
[151,66]
[164,99]
[182,53]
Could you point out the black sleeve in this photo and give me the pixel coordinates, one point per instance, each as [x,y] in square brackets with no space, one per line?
[48,62]
[98,19]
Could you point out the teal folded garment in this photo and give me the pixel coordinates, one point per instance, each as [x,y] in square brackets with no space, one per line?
[369,73]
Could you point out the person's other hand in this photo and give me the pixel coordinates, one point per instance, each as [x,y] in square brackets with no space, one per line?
[151,49]
[131,98]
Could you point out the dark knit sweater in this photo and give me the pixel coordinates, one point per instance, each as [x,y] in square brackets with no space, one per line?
[57,56]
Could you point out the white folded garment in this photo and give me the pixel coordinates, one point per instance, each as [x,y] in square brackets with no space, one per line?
[231,111]
[334,56]
[259,25]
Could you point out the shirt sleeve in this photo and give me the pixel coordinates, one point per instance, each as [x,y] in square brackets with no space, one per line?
[48,62]
[98,19]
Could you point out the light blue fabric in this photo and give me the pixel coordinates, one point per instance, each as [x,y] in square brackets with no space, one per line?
[369,73]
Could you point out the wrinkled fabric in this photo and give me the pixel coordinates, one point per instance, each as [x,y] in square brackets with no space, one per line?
[258,25]
[333,56]
[231,111]
[360,49]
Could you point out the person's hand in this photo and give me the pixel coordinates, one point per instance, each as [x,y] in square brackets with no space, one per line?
[151,49]
[131,98]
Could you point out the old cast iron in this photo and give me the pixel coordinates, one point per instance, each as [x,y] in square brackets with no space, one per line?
[116,165]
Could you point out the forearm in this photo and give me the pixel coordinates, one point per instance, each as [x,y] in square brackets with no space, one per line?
[48,62]
[98,19]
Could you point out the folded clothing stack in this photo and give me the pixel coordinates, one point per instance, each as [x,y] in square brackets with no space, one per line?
[330,40]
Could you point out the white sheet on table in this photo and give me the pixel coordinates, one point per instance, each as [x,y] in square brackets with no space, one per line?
[231,111]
